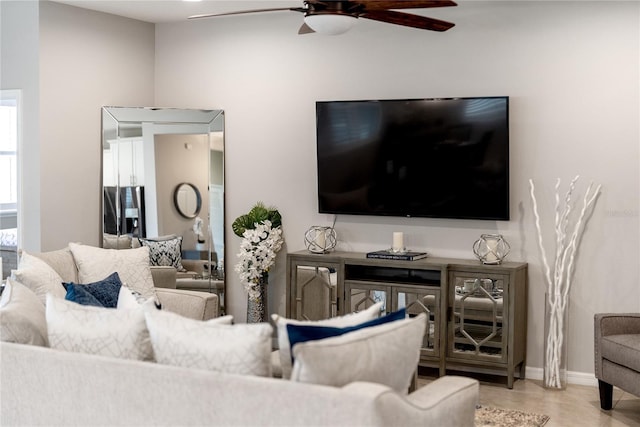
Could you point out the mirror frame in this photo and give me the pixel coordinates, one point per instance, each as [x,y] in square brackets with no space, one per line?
[118,122]
[176,200]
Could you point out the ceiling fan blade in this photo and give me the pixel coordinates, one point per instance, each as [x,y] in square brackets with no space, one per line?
[305,29]
[404,4]
[242,12]
[408,20]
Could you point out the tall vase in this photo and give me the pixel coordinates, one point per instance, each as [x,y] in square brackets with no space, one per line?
[257,304]
[556,326]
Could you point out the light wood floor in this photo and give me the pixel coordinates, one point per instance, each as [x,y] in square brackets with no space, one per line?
[577,406]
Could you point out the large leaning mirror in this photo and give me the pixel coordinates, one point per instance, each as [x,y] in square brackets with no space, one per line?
[163,187]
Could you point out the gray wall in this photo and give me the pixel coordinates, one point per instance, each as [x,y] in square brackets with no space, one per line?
[19,69]
[87,60]
[570,68]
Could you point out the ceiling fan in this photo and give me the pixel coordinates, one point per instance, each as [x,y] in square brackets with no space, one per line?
[337,16]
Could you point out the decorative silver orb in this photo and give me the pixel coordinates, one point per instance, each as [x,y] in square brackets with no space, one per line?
[320,240]
[491,248]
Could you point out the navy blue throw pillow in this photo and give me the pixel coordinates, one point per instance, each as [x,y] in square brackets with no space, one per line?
[81,296]
[303,333]
[101,294]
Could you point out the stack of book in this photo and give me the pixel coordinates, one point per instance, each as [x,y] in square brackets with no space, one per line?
[403,256]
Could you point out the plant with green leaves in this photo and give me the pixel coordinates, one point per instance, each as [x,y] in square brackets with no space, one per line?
[261,230]
[256,215]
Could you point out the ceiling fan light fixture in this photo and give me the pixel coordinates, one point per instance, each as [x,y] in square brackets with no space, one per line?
[330,23]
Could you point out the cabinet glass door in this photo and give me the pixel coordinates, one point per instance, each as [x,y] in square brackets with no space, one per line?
[360,295]
[422,301]
[478,327]
[316,292]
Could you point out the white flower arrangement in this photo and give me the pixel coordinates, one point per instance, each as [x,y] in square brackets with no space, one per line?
[258,254]
[197,229]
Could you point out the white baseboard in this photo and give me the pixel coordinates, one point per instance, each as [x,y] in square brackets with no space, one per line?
[578,378]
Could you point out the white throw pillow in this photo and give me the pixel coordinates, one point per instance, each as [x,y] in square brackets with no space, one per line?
[22,318]
[129,299]
[386,354]
[132,265]
[39,276]
[238,349]
[350,319]
[97,330]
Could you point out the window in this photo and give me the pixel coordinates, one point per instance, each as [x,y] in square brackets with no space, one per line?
[8,154]
[9,187]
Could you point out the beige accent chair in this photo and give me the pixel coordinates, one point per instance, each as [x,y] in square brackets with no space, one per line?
[617,354]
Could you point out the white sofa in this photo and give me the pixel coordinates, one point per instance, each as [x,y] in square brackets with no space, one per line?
[41,386]
[47,386]
[192,304]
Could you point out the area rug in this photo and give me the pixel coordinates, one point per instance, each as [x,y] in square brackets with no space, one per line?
[495,417]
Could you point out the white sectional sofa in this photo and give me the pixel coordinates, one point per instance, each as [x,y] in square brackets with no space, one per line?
[195,305]
[43,385]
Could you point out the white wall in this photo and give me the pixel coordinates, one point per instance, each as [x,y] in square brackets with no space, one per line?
[19,69]
[87,60]
[570,68]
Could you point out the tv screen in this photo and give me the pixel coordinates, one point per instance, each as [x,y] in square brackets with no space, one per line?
[439,158]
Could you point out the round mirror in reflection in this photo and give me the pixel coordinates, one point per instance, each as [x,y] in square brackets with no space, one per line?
[187,200]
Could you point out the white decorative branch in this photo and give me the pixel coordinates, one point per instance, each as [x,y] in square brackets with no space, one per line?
[559,280]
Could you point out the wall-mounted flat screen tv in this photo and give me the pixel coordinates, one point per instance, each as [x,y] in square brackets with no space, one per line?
[438,158]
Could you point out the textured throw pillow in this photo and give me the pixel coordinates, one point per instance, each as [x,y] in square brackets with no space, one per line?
[100,294]
[128,298]
[62,262]
[132,265]
[386,354]
[165,251]
[339,322]
[303,333]
[238,349]
[22,316]
[97,330]
[112,241]
[38,276]
[80,296]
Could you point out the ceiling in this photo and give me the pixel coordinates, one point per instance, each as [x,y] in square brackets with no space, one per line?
[159,11]
[163,11]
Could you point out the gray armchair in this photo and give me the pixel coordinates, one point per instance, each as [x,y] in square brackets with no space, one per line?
[617,354]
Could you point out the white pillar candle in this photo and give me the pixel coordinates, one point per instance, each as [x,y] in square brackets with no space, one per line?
[492,246]
[398,241]
[321,239]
